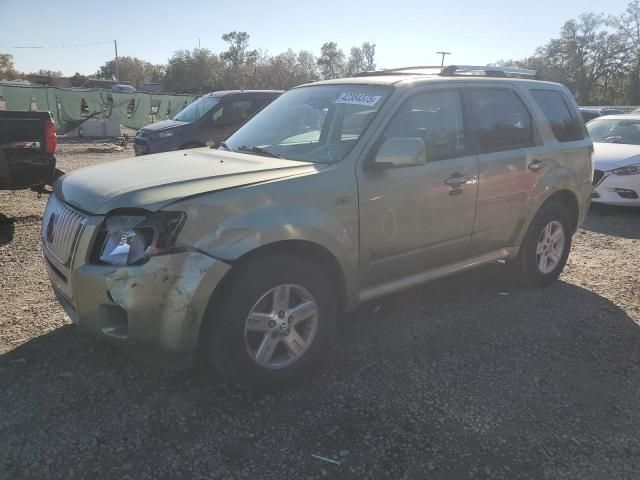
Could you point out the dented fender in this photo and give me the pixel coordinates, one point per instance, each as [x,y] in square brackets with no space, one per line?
[233,223]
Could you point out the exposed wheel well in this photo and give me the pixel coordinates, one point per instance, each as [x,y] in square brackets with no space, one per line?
[568,200]
[317,253]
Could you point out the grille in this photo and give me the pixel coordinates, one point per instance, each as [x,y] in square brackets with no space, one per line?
[61,226]
[597,176]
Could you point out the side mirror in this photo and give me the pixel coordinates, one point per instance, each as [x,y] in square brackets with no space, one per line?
[400,152]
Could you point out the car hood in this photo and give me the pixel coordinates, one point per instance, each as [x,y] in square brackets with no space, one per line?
[163,125]
[154,181]
[607,156]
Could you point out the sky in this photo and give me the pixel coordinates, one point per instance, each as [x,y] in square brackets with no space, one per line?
[406,32]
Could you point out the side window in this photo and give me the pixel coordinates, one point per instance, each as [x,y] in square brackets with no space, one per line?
[565,126]
[259,103]
[434,117]
[217,115]
[234,112]
[502,120]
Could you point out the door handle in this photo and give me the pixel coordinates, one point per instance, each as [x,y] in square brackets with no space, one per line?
[536,165]
[456,180]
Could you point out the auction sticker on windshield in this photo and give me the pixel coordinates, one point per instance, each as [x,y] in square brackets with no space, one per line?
[358,99]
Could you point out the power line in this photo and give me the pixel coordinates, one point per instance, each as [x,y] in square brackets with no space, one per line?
[59,46]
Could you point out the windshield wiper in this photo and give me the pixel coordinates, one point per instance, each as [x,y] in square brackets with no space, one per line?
[259,151]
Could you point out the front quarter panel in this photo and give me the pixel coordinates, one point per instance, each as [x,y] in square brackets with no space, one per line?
[318,207]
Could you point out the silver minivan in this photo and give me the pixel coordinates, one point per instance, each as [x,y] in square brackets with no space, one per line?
[337,193]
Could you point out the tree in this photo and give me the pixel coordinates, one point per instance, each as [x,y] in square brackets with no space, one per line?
[131,70]
[48,73]
[306,67]
[238,44]
[356,62]
[7,70]
[331,61]
[369,52]
[586,57]
[153,73]
[628,28]
[192,71]
[78,80]
[241,64]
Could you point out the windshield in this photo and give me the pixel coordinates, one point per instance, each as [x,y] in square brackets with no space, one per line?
[314,124]
[610,130]
[196,110]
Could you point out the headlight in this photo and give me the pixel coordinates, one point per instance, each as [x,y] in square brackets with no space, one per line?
[132,239]
[165,134]
[628,170]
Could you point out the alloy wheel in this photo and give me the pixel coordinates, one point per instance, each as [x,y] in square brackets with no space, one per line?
[281,326]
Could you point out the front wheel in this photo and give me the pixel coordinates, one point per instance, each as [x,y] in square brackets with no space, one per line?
[545,249]
[273,321]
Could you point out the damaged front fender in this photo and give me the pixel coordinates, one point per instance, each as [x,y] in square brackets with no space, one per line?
[160,303]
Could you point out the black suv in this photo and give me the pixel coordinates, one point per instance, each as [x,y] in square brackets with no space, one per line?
[208,120]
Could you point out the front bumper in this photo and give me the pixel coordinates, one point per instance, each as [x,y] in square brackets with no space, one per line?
[146,146]
[141,146]
[622,190]
[154,309]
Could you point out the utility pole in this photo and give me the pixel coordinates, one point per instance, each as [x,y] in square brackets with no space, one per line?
[115,45]
[443,55]
[198,43]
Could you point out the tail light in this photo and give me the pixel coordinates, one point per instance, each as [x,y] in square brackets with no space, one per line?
[50,139]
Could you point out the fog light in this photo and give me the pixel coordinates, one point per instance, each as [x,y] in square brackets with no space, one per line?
[626,193]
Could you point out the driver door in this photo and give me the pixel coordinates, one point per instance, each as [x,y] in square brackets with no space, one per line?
[416,218]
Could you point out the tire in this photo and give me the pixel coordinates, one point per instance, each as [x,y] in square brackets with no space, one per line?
[232,346]
[528,266]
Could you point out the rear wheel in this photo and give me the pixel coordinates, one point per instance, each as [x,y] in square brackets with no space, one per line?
[272,322]
[545,249]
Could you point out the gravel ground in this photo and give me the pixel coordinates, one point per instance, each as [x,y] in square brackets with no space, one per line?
[469,377]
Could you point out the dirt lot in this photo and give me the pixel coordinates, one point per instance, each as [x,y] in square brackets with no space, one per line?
[470,377]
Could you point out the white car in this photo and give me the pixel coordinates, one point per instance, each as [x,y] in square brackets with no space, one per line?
[616,142]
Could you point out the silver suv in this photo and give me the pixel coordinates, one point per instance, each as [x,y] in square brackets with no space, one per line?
[337,193]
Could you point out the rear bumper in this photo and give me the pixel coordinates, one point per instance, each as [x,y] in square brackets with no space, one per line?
[153,310]
[24,168]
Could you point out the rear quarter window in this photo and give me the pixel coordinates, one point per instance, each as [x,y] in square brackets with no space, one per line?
[566,127]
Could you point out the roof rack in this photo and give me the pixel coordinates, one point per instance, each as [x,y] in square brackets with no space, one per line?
[453,70]
[417,70]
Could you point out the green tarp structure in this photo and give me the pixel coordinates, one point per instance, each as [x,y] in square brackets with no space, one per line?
[71,107]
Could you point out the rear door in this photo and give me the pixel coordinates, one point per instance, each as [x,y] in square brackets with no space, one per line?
[508,143]
[569,146]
